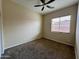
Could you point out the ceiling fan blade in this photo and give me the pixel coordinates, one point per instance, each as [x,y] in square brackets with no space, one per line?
[43,1]
[38,5]
[50,7]
[50,1]
[42,9]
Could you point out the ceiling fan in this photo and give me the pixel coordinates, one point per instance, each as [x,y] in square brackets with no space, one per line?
[45,4]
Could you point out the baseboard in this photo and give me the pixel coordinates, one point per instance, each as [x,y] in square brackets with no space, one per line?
[19,44]
[57,41]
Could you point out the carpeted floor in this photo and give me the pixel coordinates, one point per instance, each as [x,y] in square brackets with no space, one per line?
[41,49]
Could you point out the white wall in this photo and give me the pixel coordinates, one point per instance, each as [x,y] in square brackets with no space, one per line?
[0,36]
[77,35]
[1,43]
[66,38]
[20,24]
[0,15]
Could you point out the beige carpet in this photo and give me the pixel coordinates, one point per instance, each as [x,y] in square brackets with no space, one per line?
[41,49]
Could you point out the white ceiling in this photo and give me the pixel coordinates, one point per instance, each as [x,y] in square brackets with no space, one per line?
[58,4]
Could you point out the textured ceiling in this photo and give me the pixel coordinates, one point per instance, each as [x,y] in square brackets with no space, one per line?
[58,4]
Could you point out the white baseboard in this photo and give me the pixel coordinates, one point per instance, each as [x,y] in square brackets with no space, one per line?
[60,41]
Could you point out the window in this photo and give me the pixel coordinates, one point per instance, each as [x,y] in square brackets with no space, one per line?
[61,24]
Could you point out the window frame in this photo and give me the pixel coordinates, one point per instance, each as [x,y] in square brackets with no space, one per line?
[60,26]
